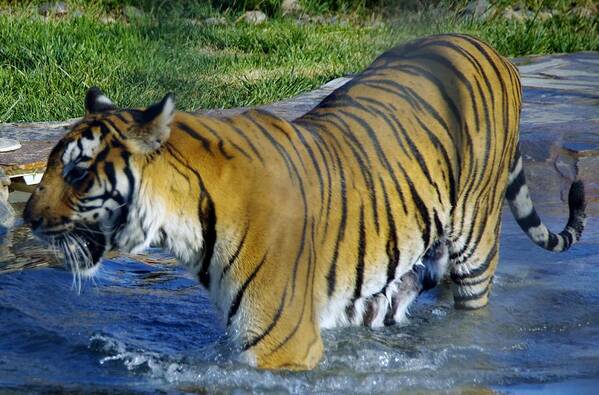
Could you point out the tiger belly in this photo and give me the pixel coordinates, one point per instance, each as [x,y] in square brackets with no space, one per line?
[387,307]
[390,305]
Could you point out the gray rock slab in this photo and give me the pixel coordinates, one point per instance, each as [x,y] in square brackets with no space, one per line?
[7,145]
[560,124]
[7,214]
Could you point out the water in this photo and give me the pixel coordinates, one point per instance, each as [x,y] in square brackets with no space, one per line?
[148,327]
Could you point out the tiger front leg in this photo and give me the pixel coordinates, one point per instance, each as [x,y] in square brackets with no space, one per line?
[292,341]
[277,325]
[302,351]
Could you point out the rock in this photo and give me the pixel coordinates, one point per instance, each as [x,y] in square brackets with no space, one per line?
[7,145]
[544,15]
[318,19]
[289,7]
[7,213]
[191,22]
[254,17]
[479,9]
[215,21]
[585,11]
[107,20]
[514,15]
[57,9]
[587,171]
[131,12]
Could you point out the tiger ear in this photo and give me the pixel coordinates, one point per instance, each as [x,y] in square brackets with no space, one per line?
[154,125]
[97,102]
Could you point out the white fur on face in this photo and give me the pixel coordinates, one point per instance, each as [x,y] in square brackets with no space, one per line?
[148,223]
[78,149]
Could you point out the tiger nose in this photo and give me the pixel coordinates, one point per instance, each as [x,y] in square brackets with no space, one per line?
[33,222]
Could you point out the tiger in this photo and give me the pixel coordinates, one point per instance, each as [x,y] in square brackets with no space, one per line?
[393,183]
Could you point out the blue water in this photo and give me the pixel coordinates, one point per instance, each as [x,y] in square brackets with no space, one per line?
[149,327]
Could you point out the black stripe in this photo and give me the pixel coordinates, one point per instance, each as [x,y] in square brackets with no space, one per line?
[239,296]
[499,77]
[354,145]
[553,241]
[381,156]
[116,130]
[567,237]
[415,100]
[514,187]
[208,222]
[246,138]
[361,255]
[187,129]
[389,118]
[291,168]
[206,216]
[300,135]
[441,148]
[124,211]
[446,63]
[221,143]
[392,244]
[235,255]
[121,117]
[438,225]
[422,209]
[309,282]
[475,296]
[530,221]
[321,146]
[427,75]
[476,282]
[273,323]
[294,173]
[299,252]
[480,269]
[462,255]
[332,273]
[293,146]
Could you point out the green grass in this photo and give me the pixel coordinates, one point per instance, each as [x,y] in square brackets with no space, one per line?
[46,65]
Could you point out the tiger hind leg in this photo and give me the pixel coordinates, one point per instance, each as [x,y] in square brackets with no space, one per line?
[473,268]
[390,306]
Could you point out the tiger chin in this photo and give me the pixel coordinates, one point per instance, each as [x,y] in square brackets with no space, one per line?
[341,217]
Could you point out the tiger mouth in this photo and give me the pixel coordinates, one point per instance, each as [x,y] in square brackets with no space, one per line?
[95,243]
[82,247]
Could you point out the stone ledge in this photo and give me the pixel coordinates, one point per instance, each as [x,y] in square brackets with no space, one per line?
[7,214]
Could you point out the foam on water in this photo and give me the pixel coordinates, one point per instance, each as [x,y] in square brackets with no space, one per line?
[372,371]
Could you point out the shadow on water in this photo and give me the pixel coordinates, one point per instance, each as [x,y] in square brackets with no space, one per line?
[146,326]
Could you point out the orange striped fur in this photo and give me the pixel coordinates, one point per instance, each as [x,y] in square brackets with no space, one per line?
[340,217]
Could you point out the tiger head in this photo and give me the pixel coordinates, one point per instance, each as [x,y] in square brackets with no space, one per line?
[83,200]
